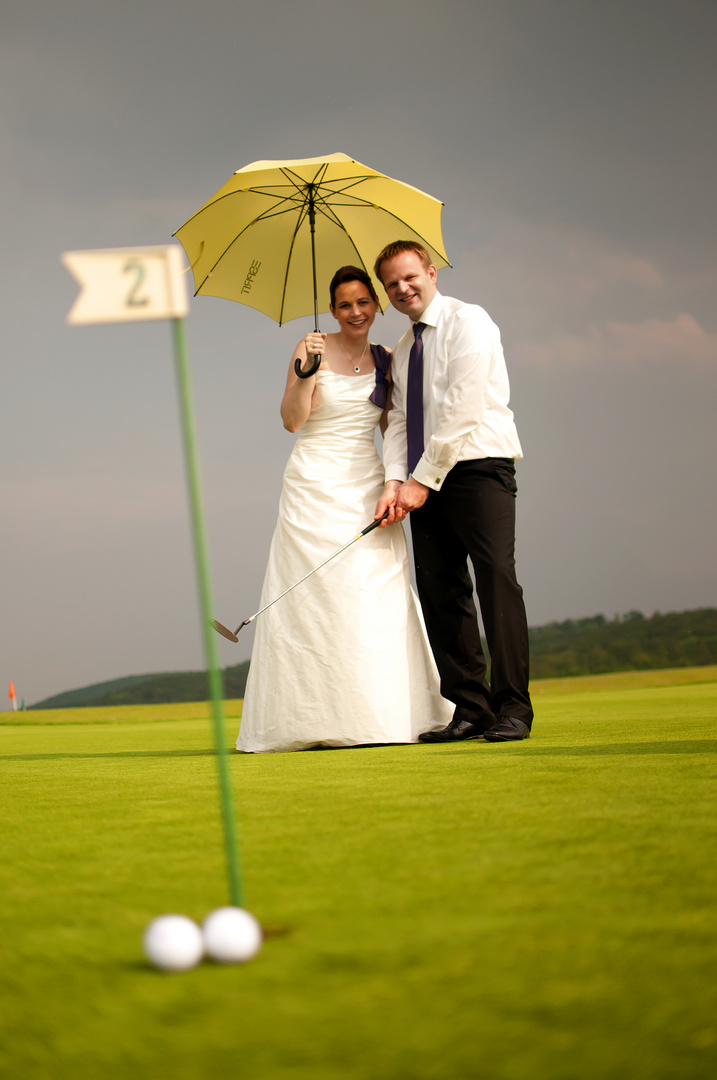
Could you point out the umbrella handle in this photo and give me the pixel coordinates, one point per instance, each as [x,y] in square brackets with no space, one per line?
[312,370]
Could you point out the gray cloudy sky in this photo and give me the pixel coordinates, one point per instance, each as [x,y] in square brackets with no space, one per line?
[573,144]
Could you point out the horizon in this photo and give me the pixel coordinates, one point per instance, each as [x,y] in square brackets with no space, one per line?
[628,616]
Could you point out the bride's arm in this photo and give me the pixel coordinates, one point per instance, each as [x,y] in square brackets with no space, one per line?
[298,396]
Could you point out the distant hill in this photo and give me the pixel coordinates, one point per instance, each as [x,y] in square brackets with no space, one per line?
[150,689]
[592,646]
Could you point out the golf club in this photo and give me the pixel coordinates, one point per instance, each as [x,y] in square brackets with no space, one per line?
[226,632]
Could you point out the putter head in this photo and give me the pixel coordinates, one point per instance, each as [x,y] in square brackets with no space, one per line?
[223,630]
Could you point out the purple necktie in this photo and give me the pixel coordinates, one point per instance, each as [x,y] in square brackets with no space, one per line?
[414,399]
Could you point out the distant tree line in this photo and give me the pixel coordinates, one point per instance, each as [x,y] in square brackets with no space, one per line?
[629,642]
[591,646]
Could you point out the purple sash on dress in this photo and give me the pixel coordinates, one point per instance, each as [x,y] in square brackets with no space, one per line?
[382,360]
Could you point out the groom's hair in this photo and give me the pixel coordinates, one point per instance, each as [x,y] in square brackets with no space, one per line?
[397,248]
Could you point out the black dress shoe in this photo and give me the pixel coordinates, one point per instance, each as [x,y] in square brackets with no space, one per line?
[458,730]
[507,729]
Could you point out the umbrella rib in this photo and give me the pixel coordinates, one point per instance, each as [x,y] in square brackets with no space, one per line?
[301,217]
[290,174]
[271,189]
[327,212]
[242,191]
[275,211]
[298,203]
[396,218]
[297,198]
[216,201]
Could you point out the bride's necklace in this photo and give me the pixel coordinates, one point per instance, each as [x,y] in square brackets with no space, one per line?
[356,363]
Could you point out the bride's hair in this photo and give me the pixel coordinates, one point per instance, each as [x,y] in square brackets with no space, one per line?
[351,273]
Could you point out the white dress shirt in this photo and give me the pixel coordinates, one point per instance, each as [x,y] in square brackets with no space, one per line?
[465,394]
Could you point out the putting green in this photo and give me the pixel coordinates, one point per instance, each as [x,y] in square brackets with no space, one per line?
[536,911]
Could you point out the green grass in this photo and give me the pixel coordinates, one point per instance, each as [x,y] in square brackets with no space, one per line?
[537,911]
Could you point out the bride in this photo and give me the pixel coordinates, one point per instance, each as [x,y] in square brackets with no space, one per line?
[343,659]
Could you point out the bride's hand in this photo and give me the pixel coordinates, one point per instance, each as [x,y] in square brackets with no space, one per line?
[314,344]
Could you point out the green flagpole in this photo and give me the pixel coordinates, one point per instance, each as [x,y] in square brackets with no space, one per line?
[205,603]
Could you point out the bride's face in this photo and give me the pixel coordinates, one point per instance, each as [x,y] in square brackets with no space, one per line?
[355,309]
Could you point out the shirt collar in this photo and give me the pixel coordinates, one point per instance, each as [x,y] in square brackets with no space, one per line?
[429,317]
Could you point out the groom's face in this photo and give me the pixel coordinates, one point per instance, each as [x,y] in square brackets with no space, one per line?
[409,285]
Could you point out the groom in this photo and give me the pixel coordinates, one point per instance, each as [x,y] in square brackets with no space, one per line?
[450,428]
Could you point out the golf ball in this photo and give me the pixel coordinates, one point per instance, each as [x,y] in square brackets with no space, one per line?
[173,943]
[231,935]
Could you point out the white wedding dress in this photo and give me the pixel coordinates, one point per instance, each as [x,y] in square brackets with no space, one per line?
[343,659]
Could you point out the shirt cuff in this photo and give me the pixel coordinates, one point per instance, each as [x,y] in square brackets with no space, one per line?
[430,476]
[396,472]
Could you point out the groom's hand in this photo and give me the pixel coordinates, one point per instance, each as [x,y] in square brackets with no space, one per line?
[411,496]
[388,502]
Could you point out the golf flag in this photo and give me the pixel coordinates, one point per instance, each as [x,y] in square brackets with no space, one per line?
[127,284]
[11,695]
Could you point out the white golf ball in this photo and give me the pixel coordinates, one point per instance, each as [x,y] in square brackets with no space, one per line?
[173,943]
[231,935]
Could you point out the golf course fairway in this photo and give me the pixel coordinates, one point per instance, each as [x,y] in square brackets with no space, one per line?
[535,911]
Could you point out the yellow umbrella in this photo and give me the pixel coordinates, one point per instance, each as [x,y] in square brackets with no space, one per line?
[276,233]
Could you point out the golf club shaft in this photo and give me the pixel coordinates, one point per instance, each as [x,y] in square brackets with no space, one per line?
[364,532]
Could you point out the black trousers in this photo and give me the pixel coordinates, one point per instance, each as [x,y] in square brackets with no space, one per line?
[473,516]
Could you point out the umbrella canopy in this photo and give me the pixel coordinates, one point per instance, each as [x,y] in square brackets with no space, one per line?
[276,233]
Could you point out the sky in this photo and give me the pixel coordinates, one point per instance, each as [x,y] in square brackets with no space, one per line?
[573,146]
